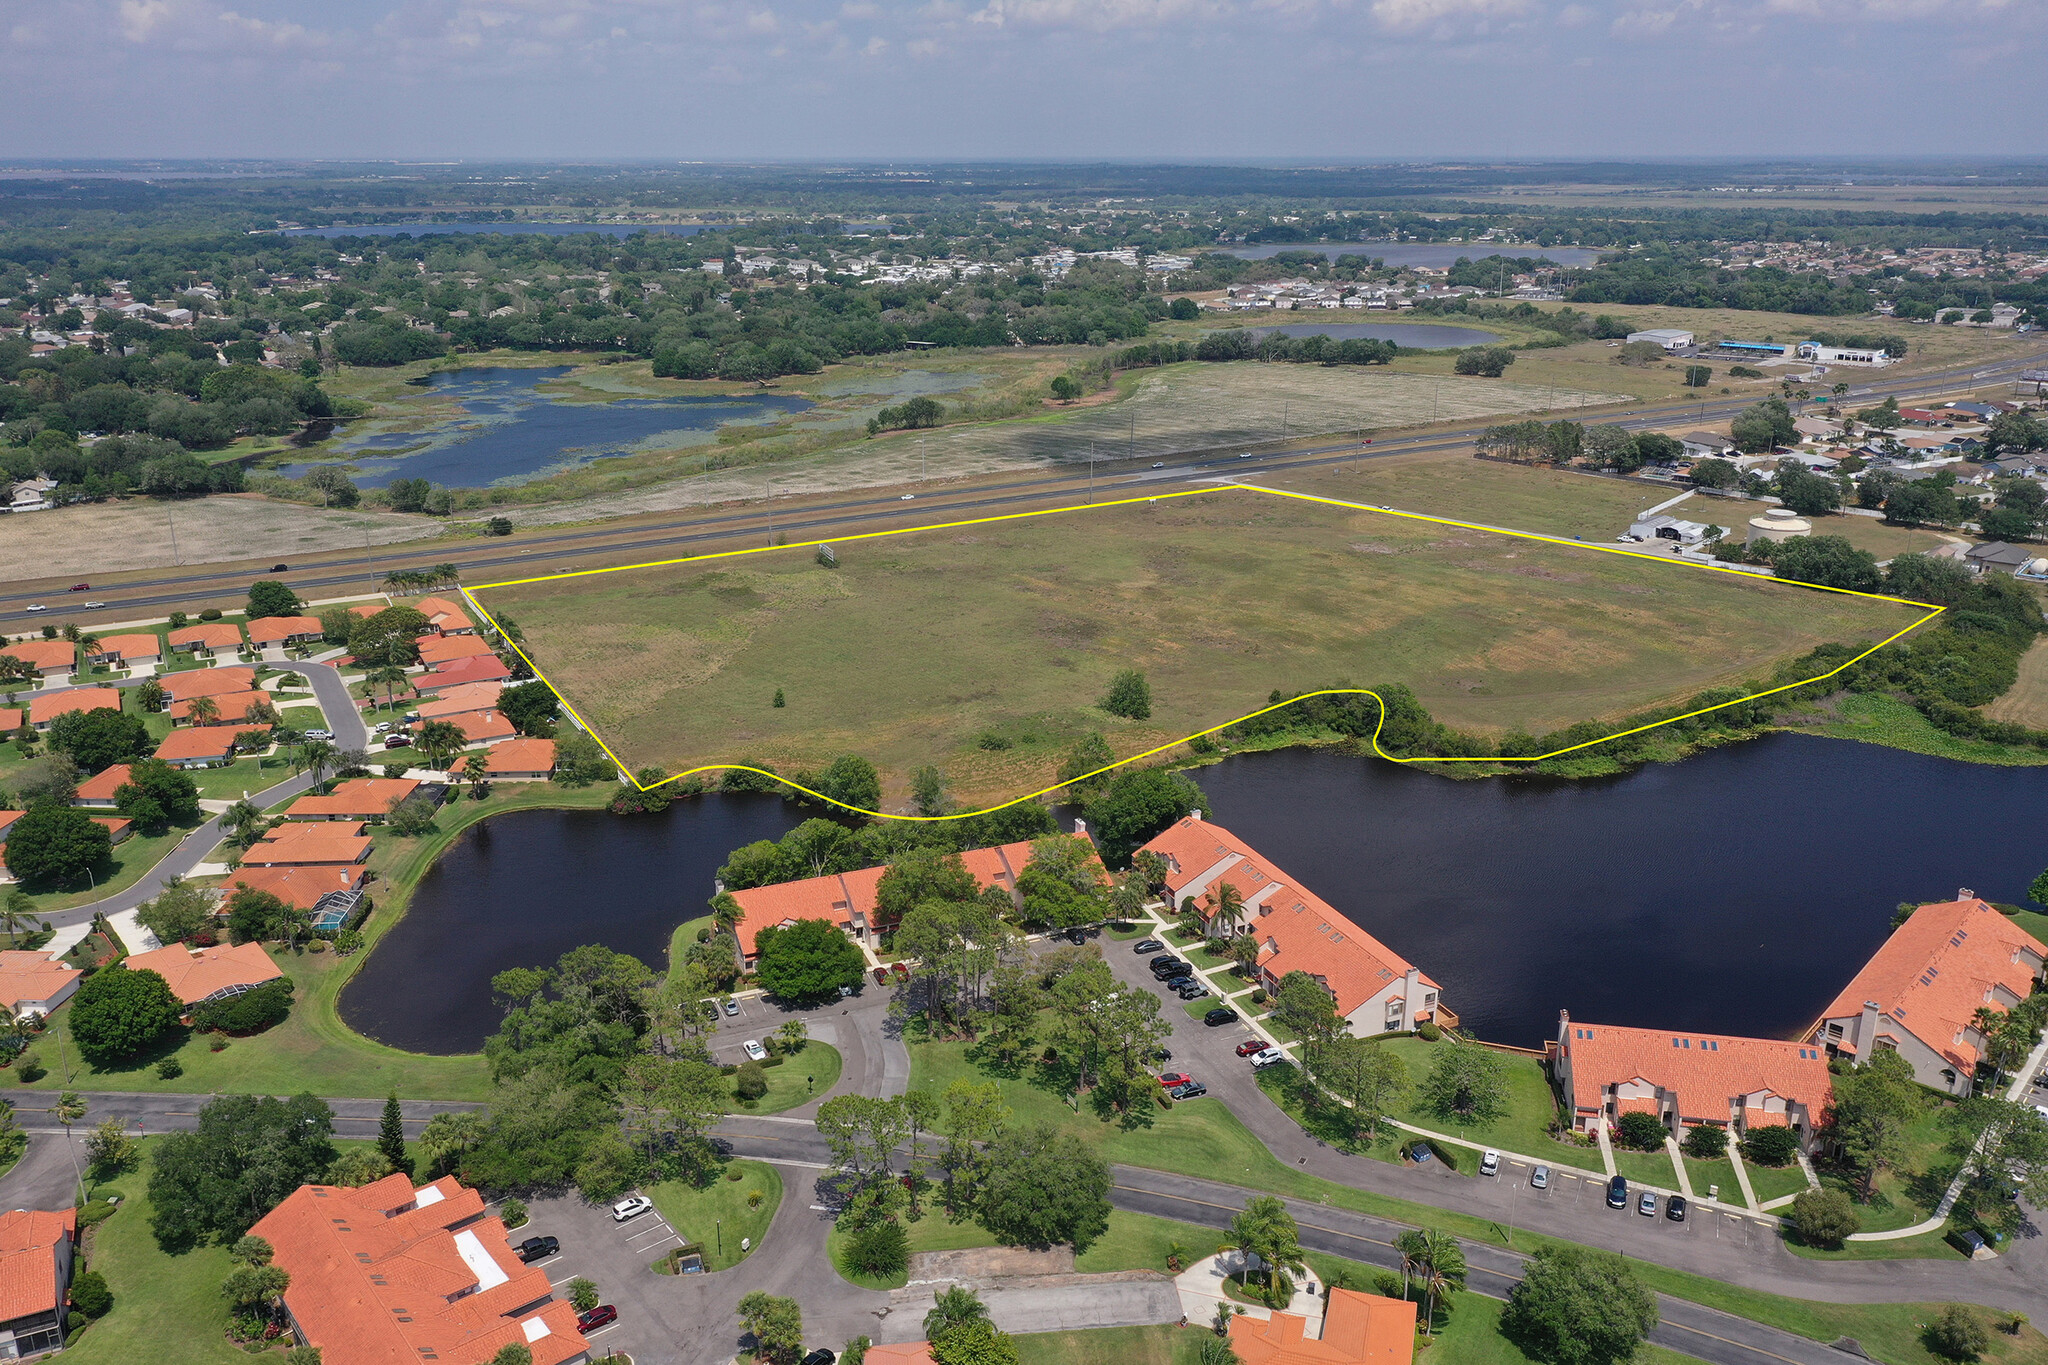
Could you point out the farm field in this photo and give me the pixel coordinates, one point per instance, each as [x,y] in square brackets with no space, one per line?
[985,648]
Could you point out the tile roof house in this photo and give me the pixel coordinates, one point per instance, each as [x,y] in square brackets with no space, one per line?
[200,746]
[482,668]
[453,701]
[1357,1329]
[44,709]
[34,983]
[900,1353]
[118,827]
[1685,1079]
[1920,991]
[45,656]
[10,719]
[522,760]
[129,650]
[229,708]
[359,798]
[303,887]
[310,843]
[37,1251]
[848,899]
[444,615]
[207,638]
[390,1275]
[478,727]
[197,975]
[1374,988]
[208,682]
[269,632]
[7,819]
[97,791]
[441,649]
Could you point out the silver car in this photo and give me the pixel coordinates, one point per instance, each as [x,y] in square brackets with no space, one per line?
[1539,1179]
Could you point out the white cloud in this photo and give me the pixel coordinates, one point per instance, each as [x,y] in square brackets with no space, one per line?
[1100,16]
[1408,16]
[141,18]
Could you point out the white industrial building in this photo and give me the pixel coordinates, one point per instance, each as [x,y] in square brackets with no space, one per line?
[1670,338]
[1842,355]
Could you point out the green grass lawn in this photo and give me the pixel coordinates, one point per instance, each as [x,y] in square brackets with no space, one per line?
[1909,1192]
[719,1214]
[1525,1129]
[801,1078]
[1111,1346]
[1191,948]
[1775,1182]
[121,869]
[251,774]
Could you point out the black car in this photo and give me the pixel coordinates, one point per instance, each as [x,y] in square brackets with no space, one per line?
[1078,937]
[1674,1208]
[1147,945]
[1189,1091]
[1163,960]
[1219,1015]
[538,1248]
[280,568]
[821,1356]
[1617,1193]
[1177,972]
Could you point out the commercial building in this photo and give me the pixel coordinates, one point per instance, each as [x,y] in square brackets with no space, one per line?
[1686,1079]
[1920,993]
[1842,355]
[1670,338]
[392,1275]
[1373,988]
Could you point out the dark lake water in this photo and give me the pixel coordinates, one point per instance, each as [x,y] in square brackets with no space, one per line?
[512,431]
[1736,892]
[521,889]
[1414,335]
[1437,255]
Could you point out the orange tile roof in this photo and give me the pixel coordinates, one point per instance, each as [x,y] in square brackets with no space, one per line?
[901,1353]
[208,682]
[367,609]
[209,742]
[116,825]
[386,1275]
[441,649]
[10,719]
[1358,1329]
[1934,971]
[195,974]
[46,655]
[271,630]
[27,977]
[102,786]
[300,886]
[132,647]
[523,756]
[448,616]
[208,635]
[482,668]
[838,896]
[453,701]
[43,709]
[28,1259]
[309,843]
[229,707]
[478,727]
[1705,1071]
[359,798]
[1297,930]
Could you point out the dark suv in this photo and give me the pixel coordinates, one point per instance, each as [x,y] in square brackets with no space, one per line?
[1179,971]
[1617,1193]
[538,1248]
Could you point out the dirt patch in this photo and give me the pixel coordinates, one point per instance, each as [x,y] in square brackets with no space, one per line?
[983,1263]
[106,537]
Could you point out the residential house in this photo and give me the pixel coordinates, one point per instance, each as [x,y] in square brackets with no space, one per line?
[900,1353]
[208,639]
[229,708]
[311,843]
[54,660]
[31,495]
[359,798]
[274,633]
[208,682]
[1998,555]
[118,827]
[1374,989]
[387,1273]
[7,819]
[436,650]
[97,791]
[478,727]
[198,746]
[454,701]
[46,708]
[34,984]
[446,617]
[522,760]
[304,887]
[1705,445]
[199,976]
[38,1250]
[1920,992]
[1357,1329]
[128,651]
[460,672]
[10,719]
[1686,1079]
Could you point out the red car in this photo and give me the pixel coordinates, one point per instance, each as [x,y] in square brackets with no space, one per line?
[1251,1045]
[597,1317]
[902,972]
[1170,1079]
[81,587]
[881,977]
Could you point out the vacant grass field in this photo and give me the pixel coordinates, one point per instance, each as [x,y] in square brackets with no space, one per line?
[2026,702]
[917,647]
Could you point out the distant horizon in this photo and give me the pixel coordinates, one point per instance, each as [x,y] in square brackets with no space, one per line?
[1811,163]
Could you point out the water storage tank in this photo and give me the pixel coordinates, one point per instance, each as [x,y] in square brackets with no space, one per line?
[2035,568]
[1778,523]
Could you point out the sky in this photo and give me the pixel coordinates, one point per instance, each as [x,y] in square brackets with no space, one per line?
[1361,80]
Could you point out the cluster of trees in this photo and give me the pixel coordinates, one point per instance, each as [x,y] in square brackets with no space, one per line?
[55,841]
[1250,344]
[912,414]
[1490,362]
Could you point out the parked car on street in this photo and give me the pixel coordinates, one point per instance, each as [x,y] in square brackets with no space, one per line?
[1220,1015]
[400,741]
[752,1047]
[1489,1163]
[319,734]
[631,1207]
[1617,1193]
[601,1316]
[538,1248]
[1539,1179]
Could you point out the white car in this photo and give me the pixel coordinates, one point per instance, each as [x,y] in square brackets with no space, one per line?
[752,1047]
[631,1208]
[908,497]
[1489,1163]
[1267,1056]
[380,727]
[319,734]
[35,606]
[90,605]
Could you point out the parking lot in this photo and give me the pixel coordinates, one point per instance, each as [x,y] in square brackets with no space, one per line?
[615,1257]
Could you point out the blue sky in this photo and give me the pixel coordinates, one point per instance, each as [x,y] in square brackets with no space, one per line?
[1061,79]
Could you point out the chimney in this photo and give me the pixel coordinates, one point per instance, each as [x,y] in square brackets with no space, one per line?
[1081,828]
[1194,815]
[1964,893]
[1866,1031]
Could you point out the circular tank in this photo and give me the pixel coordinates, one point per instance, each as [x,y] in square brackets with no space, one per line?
[1778,523]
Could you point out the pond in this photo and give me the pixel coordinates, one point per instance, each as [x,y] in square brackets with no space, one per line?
[1414,336]
[512,431]
[1435,255]
[521,889]
[1735,892]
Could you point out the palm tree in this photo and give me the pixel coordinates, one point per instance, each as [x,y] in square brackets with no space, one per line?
[246,820]
[1267,1230]
[439,740]
[69,1109]
[477,768]
[387,678]
[317,756]
[1434,1261]
[1227,911]
[202,711]
[88,645]
[16,916]
[955,1308]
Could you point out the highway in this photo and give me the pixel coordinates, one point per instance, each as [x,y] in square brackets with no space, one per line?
[703,532]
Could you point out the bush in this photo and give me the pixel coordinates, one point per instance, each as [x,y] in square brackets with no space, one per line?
[1957,1334]
[512,1213]
[1258,995]
[1428,1031]
[250,1012]
[1705,1142]
[30,1070]
[1824,1218]
[210,614]
[1776,1145]
[881,1249]
[1129,696]
[170,1068]
[751,1081]
[1642,1132]
[90,1295]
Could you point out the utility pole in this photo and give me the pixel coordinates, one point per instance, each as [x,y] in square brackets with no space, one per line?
[1091,473]
[921,466]
[173,523]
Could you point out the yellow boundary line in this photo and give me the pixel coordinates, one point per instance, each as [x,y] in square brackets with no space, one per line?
[470,596]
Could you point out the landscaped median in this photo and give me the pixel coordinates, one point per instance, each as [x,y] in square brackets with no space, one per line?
[733,1207]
